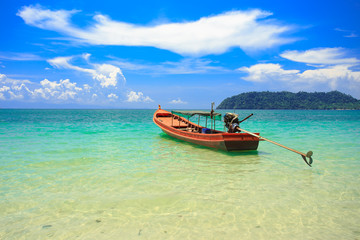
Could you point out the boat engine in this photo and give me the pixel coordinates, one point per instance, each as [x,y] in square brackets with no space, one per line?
[232,122]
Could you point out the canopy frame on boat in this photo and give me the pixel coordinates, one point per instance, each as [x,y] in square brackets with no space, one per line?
[188,114]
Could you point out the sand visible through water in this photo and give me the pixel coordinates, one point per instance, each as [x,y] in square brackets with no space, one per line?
[111,174]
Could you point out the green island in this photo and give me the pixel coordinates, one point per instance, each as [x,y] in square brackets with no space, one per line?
[333,100]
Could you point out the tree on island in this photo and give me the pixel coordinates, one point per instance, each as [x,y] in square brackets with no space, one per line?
[334,100]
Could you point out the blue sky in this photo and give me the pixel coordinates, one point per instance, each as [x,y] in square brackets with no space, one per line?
[180,54]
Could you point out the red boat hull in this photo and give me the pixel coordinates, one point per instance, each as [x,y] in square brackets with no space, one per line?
[178,127]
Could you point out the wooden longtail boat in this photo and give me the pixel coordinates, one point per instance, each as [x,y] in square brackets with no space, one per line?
[181,128]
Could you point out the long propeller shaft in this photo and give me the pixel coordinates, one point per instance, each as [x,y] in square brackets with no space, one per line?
[304,156]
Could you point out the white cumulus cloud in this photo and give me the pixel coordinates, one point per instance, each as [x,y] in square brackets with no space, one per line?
[177,101]
[338,77]
[216,34]
[46,19]
[107,74]
[62,90]
[112,96]
[12,89]
[333,70]
[265,72]
[138,97]
[327,56]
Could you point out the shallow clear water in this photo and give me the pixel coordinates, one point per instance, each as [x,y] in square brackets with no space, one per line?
[110,174]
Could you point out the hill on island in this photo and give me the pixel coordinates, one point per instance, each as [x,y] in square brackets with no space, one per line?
[288,100]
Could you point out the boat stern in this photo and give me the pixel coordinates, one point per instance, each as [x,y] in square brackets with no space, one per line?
[240,141]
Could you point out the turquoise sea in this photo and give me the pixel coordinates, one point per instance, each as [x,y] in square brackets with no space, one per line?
[112,174]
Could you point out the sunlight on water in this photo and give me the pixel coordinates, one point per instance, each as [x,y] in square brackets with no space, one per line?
[105,174]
